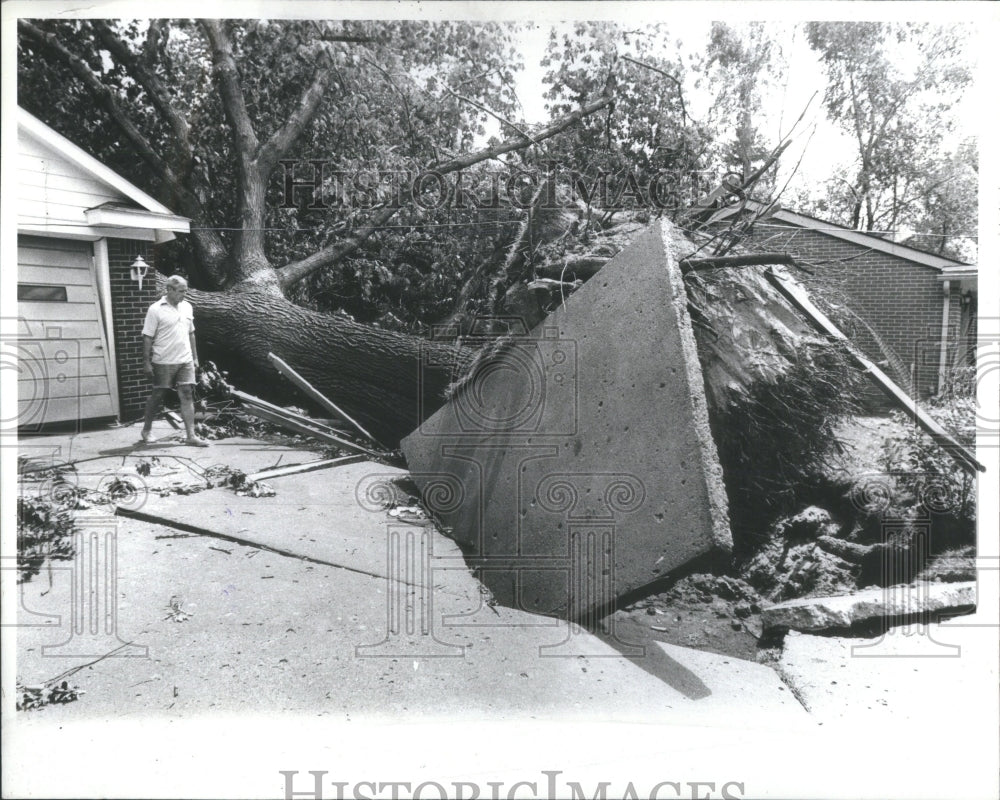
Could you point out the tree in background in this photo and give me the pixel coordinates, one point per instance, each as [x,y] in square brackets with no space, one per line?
[892,88]
[742,64]
[949,215]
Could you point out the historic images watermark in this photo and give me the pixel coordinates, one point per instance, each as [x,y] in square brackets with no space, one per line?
[318,184]
[549,784]
[45,366]
[56,532]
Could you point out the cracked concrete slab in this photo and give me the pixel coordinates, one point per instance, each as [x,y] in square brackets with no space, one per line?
[226,628]
[869,605]
[576,464]
[314,515]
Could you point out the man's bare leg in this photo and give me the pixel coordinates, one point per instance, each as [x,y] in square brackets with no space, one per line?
[153,406]
[186,393]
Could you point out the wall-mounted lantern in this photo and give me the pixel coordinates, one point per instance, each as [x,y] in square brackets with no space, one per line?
[138,270]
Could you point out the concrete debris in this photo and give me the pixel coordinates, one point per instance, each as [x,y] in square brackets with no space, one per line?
[870,605]
[576,464]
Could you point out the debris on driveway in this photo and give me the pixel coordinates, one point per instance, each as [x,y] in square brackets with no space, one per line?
[873,605]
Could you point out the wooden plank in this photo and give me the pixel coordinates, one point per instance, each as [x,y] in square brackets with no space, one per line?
[174,419]
[284,412]
[306,430]
[53,213]
[309,466]
[800,299]
[29,242]
[314,393]
[47,187]
[31,175]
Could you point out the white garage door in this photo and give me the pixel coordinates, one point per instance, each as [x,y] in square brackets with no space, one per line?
[62,364]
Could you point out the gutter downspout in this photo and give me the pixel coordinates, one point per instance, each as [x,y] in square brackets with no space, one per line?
[943,355]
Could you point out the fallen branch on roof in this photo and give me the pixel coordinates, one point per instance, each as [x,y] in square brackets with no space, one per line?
[755,260]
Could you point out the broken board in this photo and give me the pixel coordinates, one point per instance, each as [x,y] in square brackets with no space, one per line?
[575,464]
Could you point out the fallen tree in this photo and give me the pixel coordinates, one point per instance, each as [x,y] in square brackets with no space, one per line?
[386,380]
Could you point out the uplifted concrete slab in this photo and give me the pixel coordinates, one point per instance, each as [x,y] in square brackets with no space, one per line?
[576,464]
[869,605]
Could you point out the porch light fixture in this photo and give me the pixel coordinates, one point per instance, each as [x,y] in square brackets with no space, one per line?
[138,270]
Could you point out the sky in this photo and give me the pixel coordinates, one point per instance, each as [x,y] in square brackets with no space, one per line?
[819,150]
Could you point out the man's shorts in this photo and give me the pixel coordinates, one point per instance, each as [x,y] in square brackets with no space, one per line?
[166,376]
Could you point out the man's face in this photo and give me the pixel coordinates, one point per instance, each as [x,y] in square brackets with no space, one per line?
[175,294]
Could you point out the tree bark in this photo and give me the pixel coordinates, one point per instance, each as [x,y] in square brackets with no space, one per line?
[388,381]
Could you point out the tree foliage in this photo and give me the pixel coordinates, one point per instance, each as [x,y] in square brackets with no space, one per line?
[742,64]
[211,109]
[648,128]
[892,88]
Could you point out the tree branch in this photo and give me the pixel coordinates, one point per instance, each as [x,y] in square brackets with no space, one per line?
[722,262]
[283,138]
[104,97]
[155,89]
[297,270]
[233,101]
[665,74]
[481,107]
[209,245]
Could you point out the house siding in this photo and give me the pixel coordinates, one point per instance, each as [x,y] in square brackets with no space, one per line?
[899,299]
[53,194]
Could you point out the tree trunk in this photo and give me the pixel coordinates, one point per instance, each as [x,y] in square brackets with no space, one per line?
[387,381]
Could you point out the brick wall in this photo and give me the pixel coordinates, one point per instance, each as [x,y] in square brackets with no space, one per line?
[128,308]
[900,300]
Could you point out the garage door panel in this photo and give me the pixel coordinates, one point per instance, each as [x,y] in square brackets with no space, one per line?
[62,364]
[37,257]
[72,367]
[56,312]
[74,293]
[63,409]
[69,387]
[54,276]
[79,331]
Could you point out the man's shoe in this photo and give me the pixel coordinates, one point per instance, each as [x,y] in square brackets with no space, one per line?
[144,437]
[194,441]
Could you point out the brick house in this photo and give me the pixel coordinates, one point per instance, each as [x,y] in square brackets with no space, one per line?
[912,311]
[85,277]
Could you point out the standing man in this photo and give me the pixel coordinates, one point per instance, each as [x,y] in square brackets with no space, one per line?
[170,355]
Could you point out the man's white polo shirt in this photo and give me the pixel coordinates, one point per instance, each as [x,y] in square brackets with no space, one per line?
[170,330]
